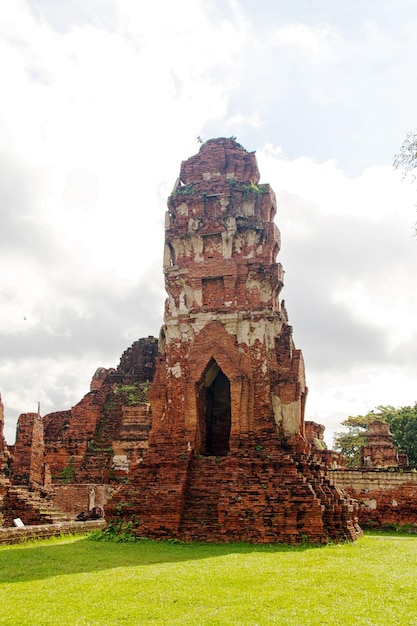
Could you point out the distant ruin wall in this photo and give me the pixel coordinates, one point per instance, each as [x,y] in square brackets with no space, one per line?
[385,496]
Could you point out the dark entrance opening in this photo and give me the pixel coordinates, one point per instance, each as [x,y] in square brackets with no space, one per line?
[217,411]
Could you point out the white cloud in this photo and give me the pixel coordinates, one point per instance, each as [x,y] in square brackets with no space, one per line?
[101,102]
[350,263]
[317,43]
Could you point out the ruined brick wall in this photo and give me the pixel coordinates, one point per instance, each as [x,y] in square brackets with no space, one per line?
[137,363]
[228,459]
[100,377]
[107,431]
[56,454]
[68,433]
[315,435]
[28,451]
[384,496]
[4,451]
[131,443]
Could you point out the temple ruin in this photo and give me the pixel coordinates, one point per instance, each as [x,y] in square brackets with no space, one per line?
[217,448]
[379,450]
[228,459]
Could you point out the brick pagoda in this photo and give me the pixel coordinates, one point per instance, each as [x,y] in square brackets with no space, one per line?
[228,459]
[379,450]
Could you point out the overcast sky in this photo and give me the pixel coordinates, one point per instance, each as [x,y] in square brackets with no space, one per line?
[100,102]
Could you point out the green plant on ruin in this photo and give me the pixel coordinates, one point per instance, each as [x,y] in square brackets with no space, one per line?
[123,480]
[183,190]
[253,188]
[132,393]
[122,506]
[319,444]
[119,531]
[95,446]
[233,184]
[68,472]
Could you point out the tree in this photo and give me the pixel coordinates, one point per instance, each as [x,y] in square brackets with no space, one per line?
[350,443]
[407,157]
[403,425]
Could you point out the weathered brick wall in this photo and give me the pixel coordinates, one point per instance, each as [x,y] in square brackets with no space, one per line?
[74,498]
[69,433]
[384,496]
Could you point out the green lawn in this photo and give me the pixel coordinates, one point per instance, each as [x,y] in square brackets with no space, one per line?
[75,581]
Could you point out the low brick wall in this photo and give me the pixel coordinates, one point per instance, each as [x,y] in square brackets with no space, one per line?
[384,496]
[74,498]
[44,531]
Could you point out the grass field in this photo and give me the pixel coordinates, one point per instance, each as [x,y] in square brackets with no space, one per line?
[75,581]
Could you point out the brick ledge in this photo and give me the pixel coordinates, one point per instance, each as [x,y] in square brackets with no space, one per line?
[44,531]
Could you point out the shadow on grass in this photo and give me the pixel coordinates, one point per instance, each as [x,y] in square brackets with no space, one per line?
[75,555]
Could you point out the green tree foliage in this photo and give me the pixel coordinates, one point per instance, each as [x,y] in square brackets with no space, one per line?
[403,425]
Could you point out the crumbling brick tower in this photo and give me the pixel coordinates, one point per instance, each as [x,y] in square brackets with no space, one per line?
[227,459]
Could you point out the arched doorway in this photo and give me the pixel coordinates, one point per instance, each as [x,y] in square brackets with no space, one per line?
[215,411]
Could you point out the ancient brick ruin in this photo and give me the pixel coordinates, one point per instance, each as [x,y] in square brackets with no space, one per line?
[217,449]
[228,459]
[64,460]
[108,429]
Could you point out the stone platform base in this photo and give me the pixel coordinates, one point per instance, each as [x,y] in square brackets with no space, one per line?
[44,531]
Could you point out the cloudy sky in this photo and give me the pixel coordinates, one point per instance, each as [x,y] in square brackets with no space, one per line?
[100,102]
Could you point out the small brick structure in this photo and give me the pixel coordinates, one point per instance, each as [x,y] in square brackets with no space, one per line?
[379,450]
[228,459]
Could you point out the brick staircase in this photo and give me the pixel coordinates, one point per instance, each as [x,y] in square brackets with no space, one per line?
[31,507]
[202,496]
